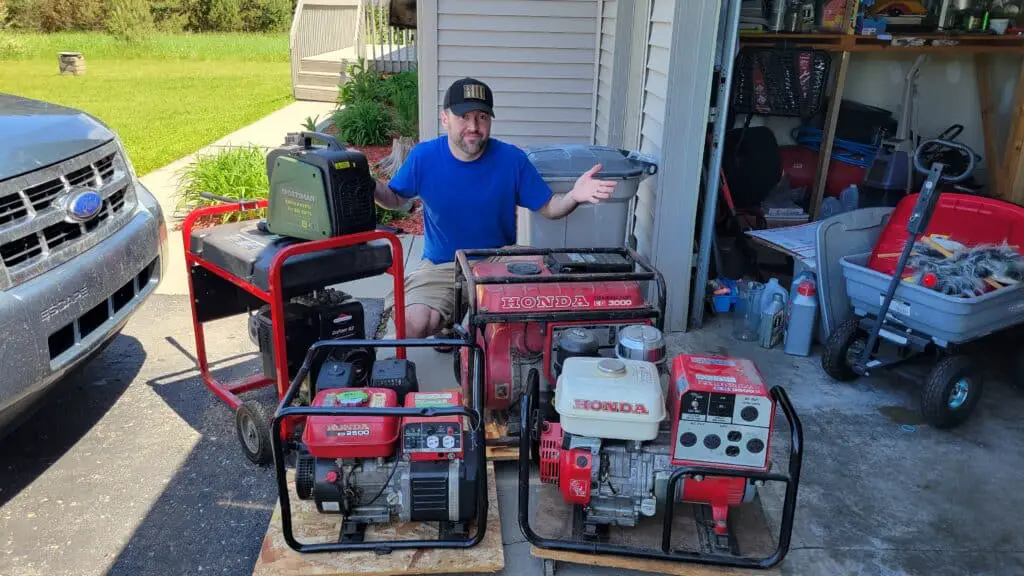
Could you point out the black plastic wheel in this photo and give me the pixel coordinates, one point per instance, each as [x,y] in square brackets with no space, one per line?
[951,392]
[252,424]
[843,345]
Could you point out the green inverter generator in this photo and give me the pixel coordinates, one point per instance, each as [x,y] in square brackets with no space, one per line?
[319,192]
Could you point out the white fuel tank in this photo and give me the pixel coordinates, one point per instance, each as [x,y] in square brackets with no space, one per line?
[610,398]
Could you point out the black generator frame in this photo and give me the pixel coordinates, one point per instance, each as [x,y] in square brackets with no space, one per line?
[530,416]
[475,443]
[466,282]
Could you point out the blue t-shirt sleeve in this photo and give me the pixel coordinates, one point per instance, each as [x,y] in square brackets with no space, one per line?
[533,191]
[405,182]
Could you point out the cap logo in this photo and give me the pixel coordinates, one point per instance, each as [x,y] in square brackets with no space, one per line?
[474,92]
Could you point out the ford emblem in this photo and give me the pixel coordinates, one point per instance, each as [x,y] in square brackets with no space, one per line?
[84,205]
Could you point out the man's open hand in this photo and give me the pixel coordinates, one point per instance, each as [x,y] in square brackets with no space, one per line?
[589,189]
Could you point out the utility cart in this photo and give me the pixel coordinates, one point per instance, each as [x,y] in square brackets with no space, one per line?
[902,318]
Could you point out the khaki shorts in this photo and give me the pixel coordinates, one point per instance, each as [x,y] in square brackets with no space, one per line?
[431,285]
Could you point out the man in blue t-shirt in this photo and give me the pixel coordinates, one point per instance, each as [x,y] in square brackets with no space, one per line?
[470,185]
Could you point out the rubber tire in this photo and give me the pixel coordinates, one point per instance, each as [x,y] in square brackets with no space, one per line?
[939,383]
[1017,377]
[833,357]
[253,414]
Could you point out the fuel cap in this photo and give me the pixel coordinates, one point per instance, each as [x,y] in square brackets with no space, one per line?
[612,366]
[523,268]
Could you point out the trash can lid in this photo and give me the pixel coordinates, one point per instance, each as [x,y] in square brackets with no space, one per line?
[572,160]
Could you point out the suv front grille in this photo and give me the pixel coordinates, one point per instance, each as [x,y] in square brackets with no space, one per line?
[34,233]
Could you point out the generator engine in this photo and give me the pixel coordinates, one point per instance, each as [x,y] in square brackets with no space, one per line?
[324,315]
[552,335]
[620,438]
[375,469]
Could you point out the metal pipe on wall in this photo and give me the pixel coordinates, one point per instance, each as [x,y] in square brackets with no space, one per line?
[730,46]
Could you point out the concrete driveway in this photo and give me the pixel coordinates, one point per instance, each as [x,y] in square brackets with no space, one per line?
[133,467]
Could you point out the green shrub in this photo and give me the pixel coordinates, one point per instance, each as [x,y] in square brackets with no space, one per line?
[364,124]
[169,15]
[237,173]
[402,96]
[129,20]
[224,15]
[266,15]
[362,85]
[69,15]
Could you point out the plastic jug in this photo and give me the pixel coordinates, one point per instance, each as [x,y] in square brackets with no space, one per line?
[773,322]
[803,318]
[770,290]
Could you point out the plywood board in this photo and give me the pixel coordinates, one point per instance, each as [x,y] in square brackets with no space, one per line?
[552,518]
[278,559]
[496,427]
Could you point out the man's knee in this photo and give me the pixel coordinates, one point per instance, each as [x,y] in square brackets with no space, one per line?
[421,321]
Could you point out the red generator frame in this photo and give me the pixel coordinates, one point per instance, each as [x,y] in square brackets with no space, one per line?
[252,423]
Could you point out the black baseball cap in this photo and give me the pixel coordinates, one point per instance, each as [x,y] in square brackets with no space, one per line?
[467,95]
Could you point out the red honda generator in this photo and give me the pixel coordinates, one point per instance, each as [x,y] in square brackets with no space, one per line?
[534,308]
[383,452]
[625,451]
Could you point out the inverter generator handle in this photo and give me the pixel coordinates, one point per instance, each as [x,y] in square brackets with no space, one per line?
[948,144]
[242,202]
[308,137]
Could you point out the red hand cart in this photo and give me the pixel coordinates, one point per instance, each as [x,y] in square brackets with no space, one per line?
[217,290]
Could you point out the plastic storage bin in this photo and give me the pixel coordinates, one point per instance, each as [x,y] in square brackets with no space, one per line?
[601,225]
[946,319]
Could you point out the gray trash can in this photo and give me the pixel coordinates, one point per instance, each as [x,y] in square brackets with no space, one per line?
[601,225]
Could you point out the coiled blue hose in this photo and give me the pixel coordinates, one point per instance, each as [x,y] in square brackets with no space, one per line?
[855,153]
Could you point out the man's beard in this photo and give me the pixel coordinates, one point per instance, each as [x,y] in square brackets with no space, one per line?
[471,149]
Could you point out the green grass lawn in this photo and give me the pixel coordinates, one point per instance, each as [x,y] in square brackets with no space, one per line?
[166,97]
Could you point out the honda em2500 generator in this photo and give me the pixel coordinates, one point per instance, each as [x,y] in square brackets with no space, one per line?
[624,451]
[383,453]
[531,308]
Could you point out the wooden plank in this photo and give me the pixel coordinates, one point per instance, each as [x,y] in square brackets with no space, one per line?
[932,43]
[1013,156]
[642,564]
[550,517]
[828,136]
[276,558]
[983,77]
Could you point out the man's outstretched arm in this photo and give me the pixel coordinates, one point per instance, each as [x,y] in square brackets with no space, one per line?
[586,189]
[387,198]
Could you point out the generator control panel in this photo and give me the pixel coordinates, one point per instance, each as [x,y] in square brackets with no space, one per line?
[721,412]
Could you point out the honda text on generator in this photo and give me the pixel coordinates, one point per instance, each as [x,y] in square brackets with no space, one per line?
[383,452]
[531,308]
[624,450]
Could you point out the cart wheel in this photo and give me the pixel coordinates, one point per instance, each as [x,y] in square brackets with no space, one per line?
[844,345]
[1018,372]
[951,392]
[253,427]
[549,567]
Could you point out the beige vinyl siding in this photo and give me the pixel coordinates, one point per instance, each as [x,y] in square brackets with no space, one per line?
[605,79]
[653,118]
[538,56]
